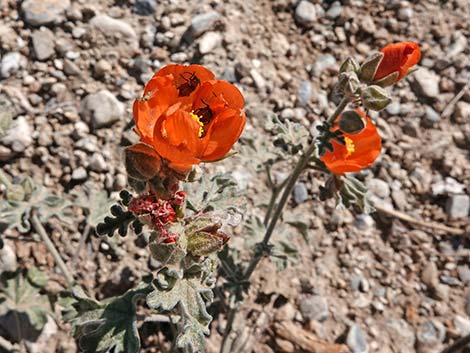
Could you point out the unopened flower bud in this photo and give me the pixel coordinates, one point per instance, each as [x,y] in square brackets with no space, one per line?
[204,235]
[142,162]
[348,83]
[351,122]
[369,67]
[375,98]
[388,80]
[349,65]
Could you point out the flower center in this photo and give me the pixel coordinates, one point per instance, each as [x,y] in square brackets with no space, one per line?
[350,148]
[197,119]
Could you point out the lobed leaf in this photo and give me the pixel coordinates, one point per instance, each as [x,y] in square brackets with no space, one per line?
[189,293]
[107,325]
[21,294]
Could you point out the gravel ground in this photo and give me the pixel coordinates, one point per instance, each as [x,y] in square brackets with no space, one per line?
[375,283]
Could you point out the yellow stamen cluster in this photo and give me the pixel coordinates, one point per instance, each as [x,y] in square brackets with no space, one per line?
[198,120]
[350,148]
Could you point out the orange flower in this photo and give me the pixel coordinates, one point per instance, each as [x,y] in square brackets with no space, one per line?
[188,117]
[359,151]
[398,57]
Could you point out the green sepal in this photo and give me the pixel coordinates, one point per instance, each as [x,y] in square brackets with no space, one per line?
[369,67]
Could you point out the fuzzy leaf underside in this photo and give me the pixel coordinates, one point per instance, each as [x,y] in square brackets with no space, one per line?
[218,192]
[21,294]
[20,199]
[189,294]
[110,324]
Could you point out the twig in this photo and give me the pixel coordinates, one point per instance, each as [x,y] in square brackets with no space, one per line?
[449,108]
[50,246]
[81,244]
[426,224]
[458,345]
[305,340]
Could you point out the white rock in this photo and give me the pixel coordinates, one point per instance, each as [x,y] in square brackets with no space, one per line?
[119,34]
[11,62]
[97,163]
[19,135]
[305,13]
[209,42]
[7,259]
[101,109]
[426,83]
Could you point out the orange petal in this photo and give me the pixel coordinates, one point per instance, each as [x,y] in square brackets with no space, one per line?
[172,141]
[211,90]
[181,73]
[159,94]
[398,57]
[367,147]
[223,133]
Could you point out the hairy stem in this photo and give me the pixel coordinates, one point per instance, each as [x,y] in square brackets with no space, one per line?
[271,222]
[51,247]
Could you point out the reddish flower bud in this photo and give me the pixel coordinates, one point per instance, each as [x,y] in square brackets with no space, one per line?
[398,57]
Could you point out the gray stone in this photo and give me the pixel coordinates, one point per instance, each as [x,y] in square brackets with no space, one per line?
[429,275]
[300,193]
[305,13]
[458,206]
[70,68]
[323,62]
[378,188]
[402,333]
[101,109]
[426,84]
[43,43]
[203,23]
[356,340]
[431,332]
[8,261]
[335,10]
[464,274]
[364,222]
[79,174]
[305,93]
[119,35]
[145,7]
[430,117]
[97,163]
[19,135]
[209,41]
[41,12]
[11,63]
[314,307]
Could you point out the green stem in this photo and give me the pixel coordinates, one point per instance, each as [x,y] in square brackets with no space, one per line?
[287,186]
[339,109]
[51,247]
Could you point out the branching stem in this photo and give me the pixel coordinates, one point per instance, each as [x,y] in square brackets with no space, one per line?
[271,221]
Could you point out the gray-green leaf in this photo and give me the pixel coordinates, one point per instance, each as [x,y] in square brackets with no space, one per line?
[106,325]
